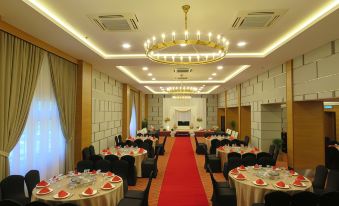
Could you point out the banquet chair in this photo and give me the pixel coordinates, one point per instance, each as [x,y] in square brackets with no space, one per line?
[213,161]
[248,155]
[95,158]
[319,179]
[332,181]
[12,187]
[139,194]
[162,147]
[249,161]
[150,150]
[236,142]
[215,143]
[277,198]
[304,198]
[329,199]
[233,154]
[129,143]
[266,161]
[85,154]
[222,195]
[111,158]
[263,154]
[67,204]
[218,184]
[232,163]
[138,142]
[225,142]
[131,175]
[84,165]
[271,149]
[333,158]
[32,178]
[120,168]
[200,148]
[130,202]
[246,140]
[117,141]
[36,203]
[276,153]
[150,166]
[8,202]
[91,150]
[103,165]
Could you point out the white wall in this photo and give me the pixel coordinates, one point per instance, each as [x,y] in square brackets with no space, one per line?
[221,100]
[106,110]
[232,97]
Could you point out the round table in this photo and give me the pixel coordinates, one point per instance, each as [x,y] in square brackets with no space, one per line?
[208,141]
[139,157]
[248,193]
[103,197]
[223,151]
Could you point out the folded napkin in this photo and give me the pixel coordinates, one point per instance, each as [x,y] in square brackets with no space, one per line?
[109,174]
[104,150]
[234,171]
[221,148]
[116,179]
[231,138]
[274,167]
[281,184]
[62,193]
[297,182]
[231,150]
[252,151]
[93,172]
[131,153]
[118,153]
[256,148]
[259,181]
[241,152]
[256,166]
[292,172]
[89,191]
[43,183]
[44,190]
[107,185]
[300,177]
[141,150]
[242,167]
[240,176]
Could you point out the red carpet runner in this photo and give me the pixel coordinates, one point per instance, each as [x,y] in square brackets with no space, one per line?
[182,184]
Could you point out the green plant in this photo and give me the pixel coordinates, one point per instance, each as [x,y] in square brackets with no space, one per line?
[277,142]
[233,124]
[144,123]
[167,119]
[199,119]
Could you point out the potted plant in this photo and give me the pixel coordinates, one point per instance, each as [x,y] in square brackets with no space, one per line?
[172,132]
[277,143]
[233,124]
[144,123]
[167,119]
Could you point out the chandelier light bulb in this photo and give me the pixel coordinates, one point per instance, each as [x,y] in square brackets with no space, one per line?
[173,36]
[163,37]
[186,35]
[209,36]
[198,35]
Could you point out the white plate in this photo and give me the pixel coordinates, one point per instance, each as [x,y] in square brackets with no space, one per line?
[242,169]
[50,190]
[235,176]
[102,187]
[302,185]
[286,186]
[295,174]
[57,197]
[37,186]
[254,182]
[94,192]
[115,181]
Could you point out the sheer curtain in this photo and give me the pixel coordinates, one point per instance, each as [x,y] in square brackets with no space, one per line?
[42,144]
[133,122]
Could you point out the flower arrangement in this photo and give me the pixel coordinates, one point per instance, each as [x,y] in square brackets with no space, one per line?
[199,119]
[167,119]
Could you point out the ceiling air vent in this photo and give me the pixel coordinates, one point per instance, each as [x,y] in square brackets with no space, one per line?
[182,78]
[116,22]
[257,19]
[182,70]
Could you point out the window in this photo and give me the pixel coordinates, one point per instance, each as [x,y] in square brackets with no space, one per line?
[42,144]
[133,123]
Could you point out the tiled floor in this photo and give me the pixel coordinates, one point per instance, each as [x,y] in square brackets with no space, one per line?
[200,160]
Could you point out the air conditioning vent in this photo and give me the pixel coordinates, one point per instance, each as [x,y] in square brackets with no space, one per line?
[182,70]
[182,78]
[116,22]
[257,19]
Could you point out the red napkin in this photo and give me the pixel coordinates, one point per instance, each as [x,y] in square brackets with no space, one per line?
[44,190]
[62,193]
[252,151]
[116,179]
[118,153]
[297,182]
[292,172]
[256,166]
[274,168]
[242,167]
[89,191]
[94,172]
[300,177]
[43,183]
[209,137]
[259,181]
[109,152]
[280,184]
[141,150]
[256,148]
[221,148]
[131,153]
[231,138]
[234,171]
[109,174]
[104,150]
[240,176]
[231,150]
[107,185]
[241,152]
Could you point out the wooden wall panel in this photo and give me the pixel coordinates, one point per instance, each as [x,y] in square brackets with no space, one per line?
[336,110]
[221,112]
[289,106]
[225,109]
[245,121]
[239,111]
[83,124]
[308,142]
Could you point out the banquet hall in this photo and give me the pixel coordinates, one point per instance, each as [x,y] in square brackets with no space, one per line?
[180,103]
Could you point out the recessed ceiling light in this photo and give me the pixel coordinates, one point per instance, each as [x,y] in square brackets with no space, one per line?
[126,45]
[210,78]
[203,85]
[145,68]
[220,67]
[241,44]
[153,79]
[149,74]
[214,74]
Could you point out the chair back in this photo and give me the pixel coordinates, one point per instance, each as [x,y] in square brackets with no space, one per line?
[103,165]
[91,150]
[32,178]
[12,187]
[276,153]
[165,141]
[333,158]
[332,181]
[263,154]
[116,139]
[246,140]
[320,177]
[249,155]
[84,165]
[235,142]
[130,159]
[9,202]
[196,142]
[304,198]
[120,168]
[36,203]
[215,143]
[264,161]
[277,198]
[225,142]
[233,154]
[232,163]
[271,149]
[249,161]
[329,199]
[139,142]
[148,187]
[111,158]
[86,153]
[95,158]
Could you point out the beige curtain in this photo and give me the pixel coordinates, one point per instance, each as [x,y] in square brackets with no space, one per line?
[20,64]
[63,75]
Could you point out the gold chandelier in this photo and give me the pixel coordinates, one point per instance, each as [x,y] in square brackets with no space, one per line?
[217,47]
[183,90]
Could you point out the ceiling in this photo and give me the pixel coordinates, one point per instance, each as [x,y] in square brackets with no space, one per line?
[65,24]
